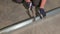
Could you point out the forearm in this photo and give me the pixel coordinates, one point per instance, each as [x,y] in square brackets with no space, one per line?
[42,3]
[27,0]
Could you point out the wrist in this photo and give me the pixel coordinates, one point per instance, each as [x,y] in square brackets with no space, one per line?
[41,7]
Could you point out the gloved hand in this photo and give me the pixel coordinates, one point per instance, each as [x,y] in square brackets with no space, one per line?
[42,12]
[29,5]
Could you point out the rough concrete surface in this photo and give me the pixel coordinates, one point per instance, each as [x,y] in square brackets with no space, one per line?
[49,25]
[11,12]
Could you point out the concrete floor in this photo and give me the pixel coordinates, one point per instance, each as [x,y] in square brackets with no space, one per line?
[48,25]
[11,12]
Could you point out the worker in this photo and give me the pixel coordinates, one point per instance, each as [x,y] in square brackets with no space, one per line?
[41,4]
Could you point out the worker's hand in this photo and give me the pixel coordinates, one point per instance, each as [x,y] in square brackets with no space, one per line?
[29,5]
[42,12]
